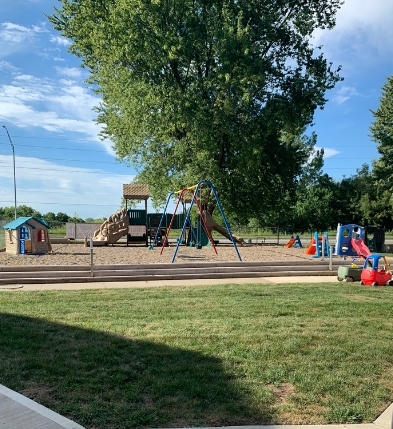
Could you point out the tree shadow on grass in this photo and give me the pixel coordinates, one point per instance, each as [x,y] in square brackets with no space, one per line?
[106,381]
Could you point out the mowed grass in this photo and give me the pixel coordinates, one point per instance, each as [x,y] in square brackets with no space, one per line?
[202,356]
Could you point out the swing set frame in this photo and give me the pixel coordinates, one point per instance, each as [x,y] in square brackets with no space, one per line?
[181,197]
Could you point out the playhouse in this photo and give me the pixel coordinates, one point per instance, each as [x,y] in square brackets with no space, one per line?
[27,235]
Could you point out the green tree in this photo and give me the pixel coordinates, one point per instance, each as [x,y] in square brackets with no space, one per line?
[382,134]
[219,90]
[314,208]
[62,217]
[380,204]
[22,210]
[27,211]
[76,219]
[49,217]
[313,211]
[353,196]
[97,220]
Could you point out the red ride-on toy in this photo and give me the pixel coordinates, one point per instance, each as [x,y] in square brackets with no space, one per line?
[376,271]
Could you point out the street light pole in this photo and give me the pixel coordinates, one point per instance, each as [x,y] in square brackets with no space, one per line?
[13,157]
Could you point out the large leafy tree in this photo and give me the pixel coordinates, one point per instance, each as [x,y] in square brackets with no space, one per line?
[313,206]
[382,134]
[206,89]
[380,203]
[8,213]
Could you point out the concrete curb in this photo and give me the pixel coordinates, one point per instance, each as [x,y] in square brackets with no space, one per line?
[19,412]
[165,283]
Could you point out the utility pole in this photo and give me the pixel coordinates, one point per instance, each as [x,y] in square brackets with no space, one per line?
[13,157]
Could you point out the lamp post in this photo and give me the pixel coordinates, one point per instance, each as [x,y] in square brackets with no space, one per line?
[13,158]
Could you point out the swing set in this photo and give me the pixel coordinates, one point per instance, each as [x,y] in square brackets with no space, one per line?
[199,235]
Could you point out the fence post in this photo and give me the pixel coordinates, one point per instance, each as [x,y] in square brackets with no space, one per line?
[278,235]
[91,258]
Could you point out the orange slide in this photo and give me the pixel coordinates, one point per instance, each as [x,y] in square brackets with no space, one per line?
[290,243]
[311,249]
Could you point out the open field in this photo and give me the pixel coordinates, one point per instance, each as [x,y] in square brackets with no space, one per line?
[202,356]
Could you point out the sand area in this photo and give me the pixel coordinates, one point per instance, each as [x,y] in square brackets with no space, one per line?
[78,254]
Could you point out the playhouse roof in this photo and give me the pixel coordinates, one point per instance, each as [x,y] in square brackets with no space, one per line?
[22,220]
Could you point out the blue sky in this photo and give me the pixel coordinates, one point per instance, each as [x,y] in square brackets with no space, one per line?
[61,164]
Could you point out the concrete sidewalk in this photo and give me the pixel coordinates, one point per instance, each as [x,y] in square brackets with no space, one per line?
[160,283]
[19,412]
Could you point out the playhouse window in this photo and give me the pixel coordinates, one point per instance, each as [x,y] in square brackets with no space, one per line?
[41,236]
[24,233]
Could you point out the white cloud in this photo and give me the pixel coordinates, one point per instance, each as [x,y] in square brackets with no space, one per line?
[6,66]
[58,40]
[47,186]
[71,72]
[328,152]
[345,93]
[363,31]
[15,33]
[56,106]
[24,115]
[15,37]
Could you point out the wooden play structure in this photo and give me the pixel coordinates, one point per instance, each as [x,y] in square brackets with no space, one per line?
[137,225]
[27,235]
[138,219]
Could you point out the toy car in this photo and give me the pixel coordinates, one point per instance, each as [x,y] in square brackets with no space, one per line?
[376,271]
[349,274]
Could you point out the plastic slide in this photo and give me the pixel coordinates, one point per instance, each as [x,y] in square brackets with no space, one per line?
[115,227]
[213,226]
[290,243]
[312,248]
[360,247]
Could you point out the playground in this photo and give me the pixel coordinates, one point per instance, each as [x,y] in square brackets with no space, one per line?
[113,242]
[192,219]
[78,254]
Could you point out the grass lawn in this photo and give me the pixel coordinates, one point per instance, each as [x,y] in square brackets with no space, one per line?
[202,356]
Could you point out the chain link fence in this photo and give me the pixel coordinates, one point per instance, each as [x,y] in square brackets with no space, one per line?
[270,234]
[2,234]
[274,235]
